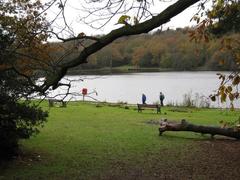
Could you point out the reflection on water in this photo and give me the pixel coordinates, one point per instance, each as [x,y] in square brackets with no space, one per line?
[129,87]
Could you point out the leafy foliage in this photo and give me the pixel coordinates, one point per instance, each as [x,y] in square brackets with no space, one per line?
[25,22]
[18,119]
[228,15]
[124,19]
[225,17]
[222,19]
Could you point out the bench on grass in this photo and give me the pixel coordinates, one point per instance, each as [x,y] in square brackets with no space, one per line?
[62,103]
[141,106]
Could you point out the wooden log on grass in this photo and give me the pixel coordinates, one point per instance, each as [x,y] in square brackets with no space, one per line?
[185,126]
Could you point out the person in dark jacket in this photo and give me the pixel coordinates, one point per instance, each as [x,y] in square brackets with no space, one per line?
[161,97]
[144,98]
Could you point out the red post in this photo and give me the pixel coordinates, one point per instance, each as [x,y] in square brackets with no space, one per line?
[84,92]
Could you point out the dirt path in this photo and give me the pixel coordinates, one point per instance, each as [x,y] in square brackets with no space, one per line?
[214,159]
[203,160]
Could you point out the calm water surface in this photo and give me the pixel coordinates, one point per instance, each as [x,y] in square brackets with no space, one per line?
[129,87]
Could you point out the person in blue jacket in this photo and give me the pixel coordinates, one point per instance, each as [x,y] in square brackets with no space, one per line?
[144,98]
[161,97]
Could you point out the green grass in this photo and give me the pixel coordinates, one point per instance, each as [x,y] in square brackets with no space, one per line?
[84,141]
[120,69]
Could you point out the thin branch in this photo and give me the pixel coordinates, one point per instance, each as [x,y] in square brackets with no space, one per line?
[74,38]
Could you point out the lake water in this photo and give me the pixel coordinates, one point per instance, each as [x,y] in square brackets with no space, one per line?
[129,87]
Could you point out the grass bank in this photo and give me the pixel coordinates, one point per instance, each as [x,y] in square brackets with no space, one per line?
[117,70]
[85,141]
[128,69]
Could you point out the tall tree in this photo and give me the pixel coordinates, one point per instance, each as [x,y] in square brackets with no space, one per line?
[18,119]
[22,31]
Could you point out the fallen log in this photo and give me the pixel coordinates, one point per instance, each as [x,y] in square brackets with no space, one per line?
[185,126]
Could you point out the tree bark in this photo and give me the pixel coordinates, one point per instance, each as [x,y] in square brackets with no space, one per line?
[185,126]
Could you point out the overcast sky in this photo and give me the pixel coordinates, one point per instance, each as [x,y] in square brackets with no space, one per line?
[73,13]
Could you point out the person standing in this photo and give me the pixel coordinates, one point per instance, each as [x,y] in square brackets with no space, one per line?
[161,97]
[144,98]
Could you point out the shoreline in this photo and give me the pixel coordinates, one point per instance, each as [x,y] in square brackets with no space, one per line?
[134,70]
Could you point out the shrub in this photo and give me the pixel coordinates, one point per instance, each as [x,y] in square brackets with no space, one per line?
[17,121]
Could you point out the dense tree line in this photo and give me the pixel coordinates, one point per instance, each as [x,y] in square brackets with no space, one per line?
[170,49]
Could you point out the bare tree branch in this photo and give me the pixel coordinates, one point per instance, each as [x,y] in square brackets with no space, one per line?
[59,70]
[74,38]
[144,27]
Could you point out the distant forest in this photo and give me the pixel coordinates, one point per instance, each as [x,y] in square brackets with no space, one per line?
[169,50]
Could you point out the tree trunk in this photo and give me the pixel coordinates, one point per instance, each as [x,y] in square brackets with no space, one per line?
[185,126]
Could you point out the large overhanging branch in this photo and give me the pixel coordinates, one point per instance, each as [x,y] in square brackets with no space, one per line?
[127,30]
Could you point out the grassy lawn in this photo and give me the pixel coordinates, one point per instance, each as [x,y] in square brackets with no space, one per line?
[119,69]
[83,141]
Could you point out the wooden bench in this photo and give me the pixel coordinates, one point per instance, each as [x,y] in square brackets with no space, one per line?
[141,106]
[51,102]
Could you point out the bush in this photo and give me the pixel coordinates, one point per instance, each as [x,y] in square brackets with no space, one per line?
[17,121]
